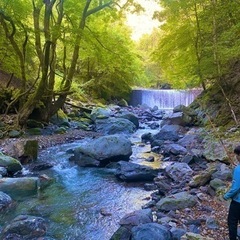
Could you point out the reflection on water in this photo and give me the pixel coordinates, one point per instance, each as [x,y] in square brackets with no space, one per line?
[83,203]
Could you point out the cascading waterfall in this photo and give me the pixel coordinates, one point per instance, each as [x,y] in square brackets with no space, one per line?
[163,99]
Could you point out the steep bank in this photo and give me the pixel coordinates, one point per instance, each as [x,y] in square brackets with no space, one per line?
[220,102]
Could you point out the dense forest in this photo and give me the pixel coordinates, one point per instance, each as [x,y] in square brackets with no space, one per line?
[55,49]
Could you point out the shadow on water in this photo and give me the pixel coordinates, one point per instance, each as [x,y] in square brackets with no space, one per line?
[82,203]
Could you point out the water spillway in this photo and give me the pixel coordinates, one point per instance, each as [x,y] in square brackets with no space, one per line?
[163,99]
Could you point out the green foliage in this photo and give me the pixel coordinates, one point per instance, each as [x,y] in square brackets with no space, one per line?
[74,41]
[198,40]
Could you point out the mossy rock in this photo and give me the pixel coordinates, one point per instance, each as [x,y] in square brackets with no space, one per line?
[14,134]
[11,164]
[60,130]
[34,131]
[31,123]
[60,118]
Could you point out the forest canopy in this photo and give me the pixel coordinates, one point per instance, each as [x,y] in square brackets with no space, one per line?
[55,47]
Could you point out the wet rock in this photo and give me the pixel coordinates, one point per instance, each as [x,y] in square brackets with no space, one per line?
[156,231]
[123,233]
[3,172]
[19,187]
[5,201]
[25,227]
[132,172]
[103,150]
[11,164]
[137,217]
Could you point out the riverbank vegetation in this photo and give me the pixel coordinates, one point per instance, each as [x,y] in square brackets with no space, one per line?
[52,50]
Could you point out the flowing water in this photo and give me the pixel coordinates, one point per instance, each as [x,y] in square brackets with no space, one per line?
[163,99]
[82,203]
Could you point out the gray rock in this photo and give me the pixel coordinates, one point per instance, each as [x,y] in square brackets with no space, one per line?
[115,126]
[14,134]
[3,171]
[156,231]
[19,187]
[137,217]
[177,233]
[166,134]
[129,116]
[223,172]
[5,201]
[217,184]
[132,172]
[203,177]
[123,233]
[213,151]
[178,171]
[25,227]
[177,201]
[100,113]
[101,151]
[175,149]
[11,164]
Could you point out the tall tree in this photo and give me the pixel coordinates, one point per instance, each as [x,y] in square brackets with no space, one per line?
[199,40]
[56,29]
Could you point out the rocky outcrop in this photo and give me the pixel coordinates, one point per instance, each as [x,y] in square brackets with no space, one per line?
[103,150]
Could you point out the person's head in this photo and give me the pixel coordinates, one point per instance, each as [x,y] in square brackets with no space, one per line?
[237,152]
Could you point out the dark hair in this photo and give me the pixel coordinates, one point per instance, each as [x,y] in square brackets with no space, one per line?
[237,150]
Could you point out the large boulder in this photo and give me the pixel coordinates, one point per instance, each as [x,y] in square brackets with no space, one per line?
[181,115]
[21,187]
[178,171]
[11,164]
[103,150]
[167,133]
[214,151]
[176,201]
[130,220]
[129,116]
[137,217]
[132,172]
[156,231]
[114,126]
[100,113]
[25,227]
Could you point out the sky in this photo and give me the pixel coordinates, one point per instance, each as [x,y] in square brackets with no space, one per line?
[143,23]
